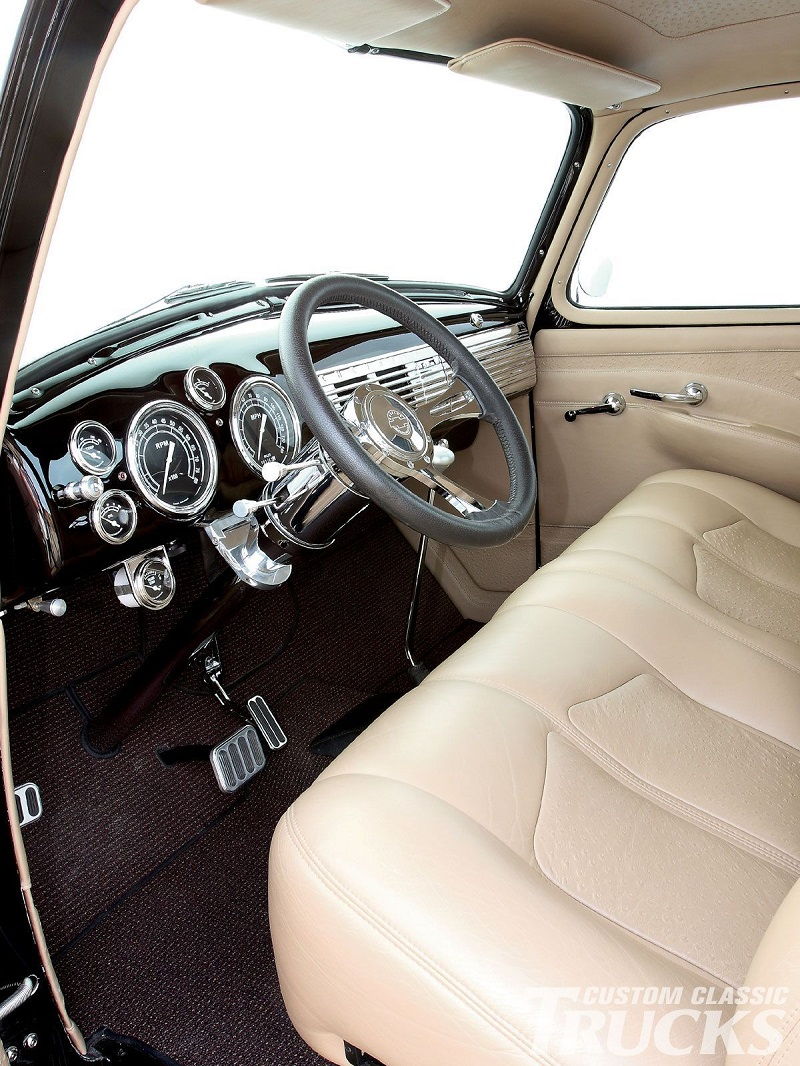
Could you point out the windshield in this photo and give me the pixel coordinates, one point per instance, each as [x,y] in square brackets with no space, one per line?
[223,148]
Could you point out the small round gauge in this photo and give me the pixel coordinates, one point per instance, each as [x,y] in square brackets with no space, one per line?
[154,583]
[172,458]
[113,517]
[93,448]
[204,388]
[264,423]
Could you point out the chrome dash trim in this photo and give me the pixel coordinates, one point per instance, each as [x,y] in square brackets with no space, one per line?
[420,376]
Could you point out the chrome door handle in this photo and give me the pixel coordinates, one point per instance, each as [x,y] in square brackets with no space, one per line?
[694,393]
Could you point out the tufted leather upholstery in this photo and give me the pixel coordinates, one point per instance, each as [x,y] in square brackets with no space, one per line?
[601,788]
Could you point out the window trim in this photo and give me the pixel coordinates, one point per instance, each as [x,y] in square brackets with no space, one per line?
[606,172]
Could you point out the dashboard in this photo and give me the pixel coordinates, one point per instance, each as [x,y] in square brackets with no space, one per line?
[139,445]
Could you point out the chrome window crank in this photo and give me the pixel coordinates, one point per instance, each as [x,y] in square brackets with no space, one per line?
[613,403]
[694,393]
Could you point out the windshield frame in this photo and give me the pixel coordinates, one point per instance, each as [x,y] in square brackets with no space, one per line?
[44,120]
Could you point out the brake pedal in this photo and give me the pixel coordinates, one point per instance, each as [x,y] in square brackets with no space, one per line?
[239,758]
[29,803]
[266,722]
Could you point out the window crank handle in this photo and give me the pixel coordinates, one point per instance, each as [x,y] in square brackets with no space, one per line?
[613,403]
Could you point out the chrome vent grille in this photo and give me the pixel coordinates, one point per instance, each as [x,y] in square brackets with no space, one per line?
[419,376]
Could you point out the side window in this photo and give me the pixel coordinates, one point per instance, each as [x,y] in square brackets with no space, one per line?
[703,212]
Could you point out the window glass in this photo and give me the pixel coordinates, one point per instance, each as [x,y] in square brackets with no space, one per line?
[221,147]
[704,212]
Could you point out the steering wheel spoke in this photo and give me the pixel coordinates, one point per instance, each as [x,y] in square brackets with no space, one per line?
[458,402]
[459,498]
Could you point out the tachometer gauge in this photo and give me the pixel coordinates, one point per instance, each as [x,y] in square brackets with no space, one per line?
[113,517]
[93,448]
[264,423]
[172,458]
[204,388]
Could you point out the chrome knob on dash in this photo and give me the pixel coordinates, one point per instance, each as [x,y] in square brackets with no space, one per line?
[88,488]
[613,403]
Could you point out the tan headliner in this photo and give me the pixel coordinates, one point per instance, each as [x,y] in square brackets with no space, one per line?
[692,49]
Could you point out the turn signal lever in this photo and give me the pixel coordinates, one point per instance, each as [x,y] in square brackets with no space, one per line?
[271,472]
[613,403]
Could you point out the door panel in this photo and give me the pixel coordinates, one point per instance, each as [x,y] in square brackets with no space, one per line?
[749,426]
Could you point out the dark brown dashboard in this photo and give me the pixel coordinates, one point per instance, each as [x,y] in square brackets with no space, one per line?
[50,534]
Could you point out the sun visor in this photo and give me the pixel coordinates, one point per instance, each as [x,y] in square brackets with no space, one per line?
[540,68]
[349,21]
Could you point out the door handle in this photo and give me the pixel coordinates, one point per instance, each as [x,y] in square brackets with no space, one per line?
[694,393]
[612,404]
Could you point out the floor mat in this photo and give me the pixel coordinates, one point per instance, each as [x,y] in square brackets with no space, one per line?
[150,882]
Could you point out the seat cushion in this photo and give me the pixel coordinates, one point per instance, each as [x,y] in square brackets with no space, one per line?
[601,788]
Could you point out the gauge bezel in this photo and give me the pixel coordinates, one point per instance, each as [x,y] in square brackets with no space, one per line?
[191,390]
[75,453]
[191,510]
[96,521]
[236,433]
[139,587]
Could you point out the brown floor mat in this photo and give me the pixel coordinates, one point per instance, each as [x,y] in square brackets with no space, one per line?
[150,882]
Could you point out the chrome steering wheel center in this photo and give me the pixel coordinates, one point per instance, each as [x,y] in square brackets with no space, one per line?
[388,425]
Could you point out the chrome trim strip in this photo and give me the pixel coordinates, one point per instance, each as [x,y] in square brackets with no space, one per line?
[420,376]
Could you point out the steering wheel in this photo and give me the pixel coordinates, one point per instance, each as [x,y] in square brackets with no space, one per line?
[379,440]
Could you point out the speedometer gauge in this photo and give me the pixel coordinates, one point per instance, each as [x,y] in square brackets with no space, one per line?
[264,423]
[172,458]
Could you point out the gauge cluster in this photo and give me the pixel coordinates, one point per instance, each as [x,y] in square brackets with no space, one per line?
[113,459]
[165,457]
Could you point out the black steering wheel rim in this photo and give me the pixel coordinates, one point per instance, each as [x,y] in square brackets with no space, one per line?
[494,525]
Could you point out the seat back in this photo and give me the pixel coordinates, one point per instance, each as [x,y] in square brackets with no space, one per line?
[771,1035]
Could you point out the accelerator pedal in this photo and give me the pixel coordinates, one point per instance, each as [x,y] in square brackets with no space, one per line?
[265,721]
[239,758]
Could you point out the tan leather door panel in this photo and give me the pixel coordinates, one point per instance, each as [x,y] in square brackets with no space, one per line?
[749,426]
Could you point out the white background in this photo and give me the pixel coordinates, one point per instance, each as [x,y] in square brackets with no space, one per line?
[221,147]
[705,211]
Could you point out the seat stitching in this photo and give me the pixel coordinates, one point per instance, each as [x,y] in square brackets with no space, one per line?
[738,566]
[600,371]
[711,823]
[657,479]
[604,914]
[412,951]
[790,1030]
[732,635]
[638,654]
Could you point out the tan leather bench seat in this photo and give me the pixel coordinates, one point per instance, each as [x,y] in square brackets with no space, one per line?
[601,788]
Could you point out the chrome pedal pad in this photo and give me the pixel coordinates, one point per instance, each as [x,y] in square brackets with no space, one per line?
[239,758]
[266,722]
[29,803]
